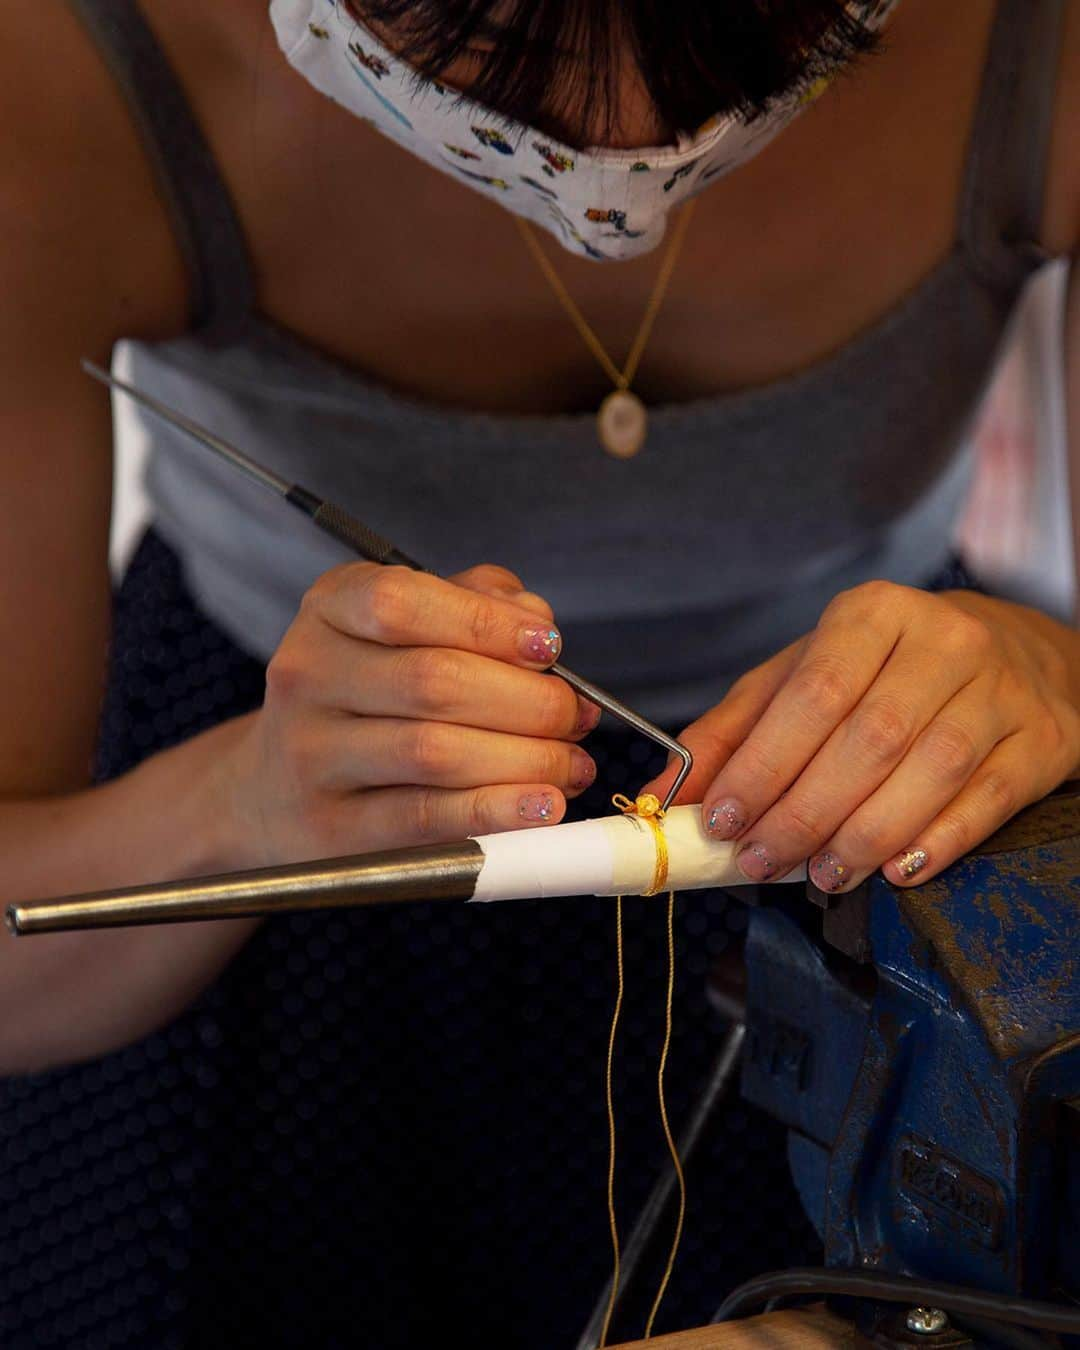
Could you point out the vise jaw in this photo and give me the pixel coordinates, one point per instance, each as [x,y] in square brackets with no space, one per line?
[923,1047]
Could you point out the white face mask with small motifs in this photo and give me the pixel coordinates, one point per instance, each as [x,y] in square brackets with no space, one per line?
[600,203]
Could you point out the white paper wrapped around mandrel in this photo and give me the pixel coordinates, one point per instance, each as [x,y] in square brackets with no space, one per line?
[615,855]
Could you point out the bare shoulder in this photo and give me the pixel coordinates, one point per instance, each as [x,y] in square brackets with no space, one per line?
[79,211]
[1061,227]
[87,258]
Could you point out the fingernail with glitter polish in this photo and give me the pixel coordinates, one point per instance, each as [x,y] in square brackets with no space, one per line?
[537,806]
[541,645]
[912,862]
[827,872]
[588,718]
[756,863]
[726,819]
[582,771]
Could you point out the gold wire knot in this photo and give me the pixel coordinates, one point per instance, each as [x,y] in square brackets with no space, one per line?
[648,808]
[646,805]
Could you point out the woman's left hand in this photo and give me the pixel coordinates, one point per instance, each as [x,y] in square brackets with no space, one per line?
[900,733]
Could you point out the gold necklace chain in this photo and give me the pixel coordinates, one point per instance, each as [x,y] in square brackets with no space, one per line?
[622,419]
[622,379]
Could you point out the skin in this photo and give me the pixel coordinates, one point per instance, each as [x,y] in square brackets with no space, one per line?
[402,709]
[901,732]
[906,727]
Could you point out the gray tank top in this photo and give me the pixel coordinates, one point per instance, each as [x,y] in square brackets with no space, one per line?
[751,509]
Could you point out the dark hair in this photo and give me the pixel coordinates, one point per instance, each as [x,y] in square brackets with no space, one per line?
[548,61]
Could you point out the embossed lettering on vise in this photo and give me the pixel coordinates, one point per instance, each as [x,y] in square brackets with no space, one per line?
[781,1051]
[948,1191]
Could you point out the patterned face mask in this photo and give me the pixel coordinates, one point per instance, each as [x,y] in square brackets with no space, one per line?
[603,204]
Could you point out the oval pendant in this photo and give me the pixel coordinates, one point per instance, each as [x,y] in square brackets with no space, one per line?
[622,424]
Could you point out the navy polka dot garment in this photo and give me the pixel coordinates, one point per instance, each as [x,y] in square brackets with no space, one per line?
[379,1125]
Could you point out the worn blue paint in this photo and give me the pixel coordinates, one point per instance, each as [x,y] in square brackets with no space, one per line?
[930,1134]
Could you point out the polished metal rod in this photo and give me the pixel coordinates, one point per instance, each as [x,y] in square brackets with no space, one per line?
[605,856]
[431,872]
[348,530]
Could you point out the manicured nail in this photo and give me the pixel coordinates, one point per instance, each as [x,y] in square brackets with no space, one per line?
[537,806]
[726,819]
[827,872]
[588,717]
[582,770]
[541,645]
[756,863]
[912,862]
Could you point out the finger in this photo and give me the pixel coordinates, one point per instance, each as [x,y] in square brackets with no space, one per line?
[490,580]
[948,755]
[404,816]
[830,678]
[347,753]
[912,690]
[429,683]
[715,736]
[397,607]
[1000,787]
[535,603]
[856,636]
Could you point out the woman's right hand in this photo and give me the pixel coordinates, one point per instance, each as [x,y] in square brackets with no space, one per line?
[404,709]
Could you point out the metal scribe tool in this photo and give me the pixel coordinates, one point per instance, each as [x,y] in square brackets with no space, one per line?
[338,522]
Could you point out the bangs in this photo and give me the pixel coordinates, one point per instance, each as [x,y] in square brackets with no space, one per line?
[556,64]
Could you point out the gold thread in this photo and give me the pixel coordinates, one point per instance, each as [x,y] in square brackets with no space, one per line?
[611,1128]
[648,808]
[672,1149]
[621,379]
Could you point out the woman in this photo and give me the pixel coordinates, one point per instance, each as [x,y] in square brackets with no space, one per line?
[337,1129]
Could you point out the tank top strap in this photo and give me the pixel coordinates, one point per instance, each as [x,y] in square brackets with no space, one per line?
[1005,175]
[204,219]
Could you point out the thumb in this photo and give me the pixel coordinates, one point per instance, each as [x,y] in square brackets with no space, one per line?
[489,579]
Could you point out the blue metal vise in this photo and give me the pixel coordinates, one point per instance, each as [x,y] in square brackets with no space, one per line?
[923,1047]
